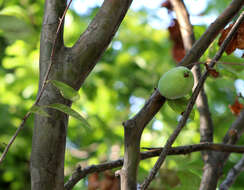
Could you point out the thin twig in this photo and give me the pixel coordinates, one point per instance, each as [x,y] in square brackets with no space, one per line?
[80,173]
[14,136]
[211,33]
[218,62]
[137,124]
[232,175]
[190,105]
[27,115]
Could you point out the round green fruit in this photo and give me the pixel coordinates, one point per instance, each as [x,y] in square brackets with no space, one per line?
[176,83]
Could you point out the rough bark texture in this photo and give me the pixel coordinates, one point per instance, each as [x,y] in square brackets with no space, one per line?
[192,56]
[215,167]
[232,175]
[81,173]
[209,178]
[48,144]
[72,66]
[133,129]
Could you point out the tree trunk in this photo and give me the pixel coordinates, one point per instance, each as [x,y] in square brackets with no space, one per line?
[71,66]
[48,143]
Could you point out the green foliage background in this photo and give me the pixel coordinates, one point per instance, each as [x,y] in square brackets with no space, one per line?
[118,86]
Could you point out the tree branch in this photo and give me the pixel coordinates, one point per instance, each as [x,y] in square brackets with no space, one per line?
[210,34]
[133,127]
[232,175]
[190,105]
[93,42]
[79,173]
[58,41]
[206,123]
[51,34]
[49,136]
[231,137]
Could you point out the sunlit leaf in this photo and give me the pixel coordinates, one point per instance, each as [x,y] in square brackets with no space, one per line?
[39,110]
[69,111]
[67,91]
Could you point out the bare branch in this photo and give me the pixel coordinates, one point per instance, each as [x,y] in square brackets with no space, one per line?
[232,175]
[80,173]
[14,137]
[192,100]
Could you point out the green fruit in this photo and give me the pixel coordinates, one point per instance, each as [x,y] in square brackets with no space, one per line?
[176,83]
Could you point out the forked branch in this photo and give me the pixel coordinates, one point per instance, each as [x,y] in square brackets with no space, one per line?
[80,173]
[190,105]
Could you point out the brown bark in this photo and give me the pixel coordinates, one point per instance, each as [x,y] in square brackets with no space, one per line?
[81,173]
[48,142]
[214,169]
[72,66]
[206,123]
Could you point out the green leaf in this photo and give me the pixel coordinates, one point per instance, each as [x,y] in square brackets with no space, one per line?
[67,91]
[69,111]
[39,110]
[227,72]
[179,106]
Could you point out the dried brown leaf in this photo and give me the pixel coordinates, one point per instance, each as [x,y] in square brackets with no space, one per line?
[236,107]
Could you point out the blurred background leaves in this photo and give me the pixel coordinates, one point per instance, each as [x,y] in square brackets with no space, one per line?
[116,89]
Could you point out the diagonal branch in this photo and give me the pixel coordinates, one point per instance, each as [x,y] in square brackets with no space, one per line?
[190,105]
[232,175]
[206,123]
[134,127]
[210,34]
[80,173]
[218,160]
[93,42]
